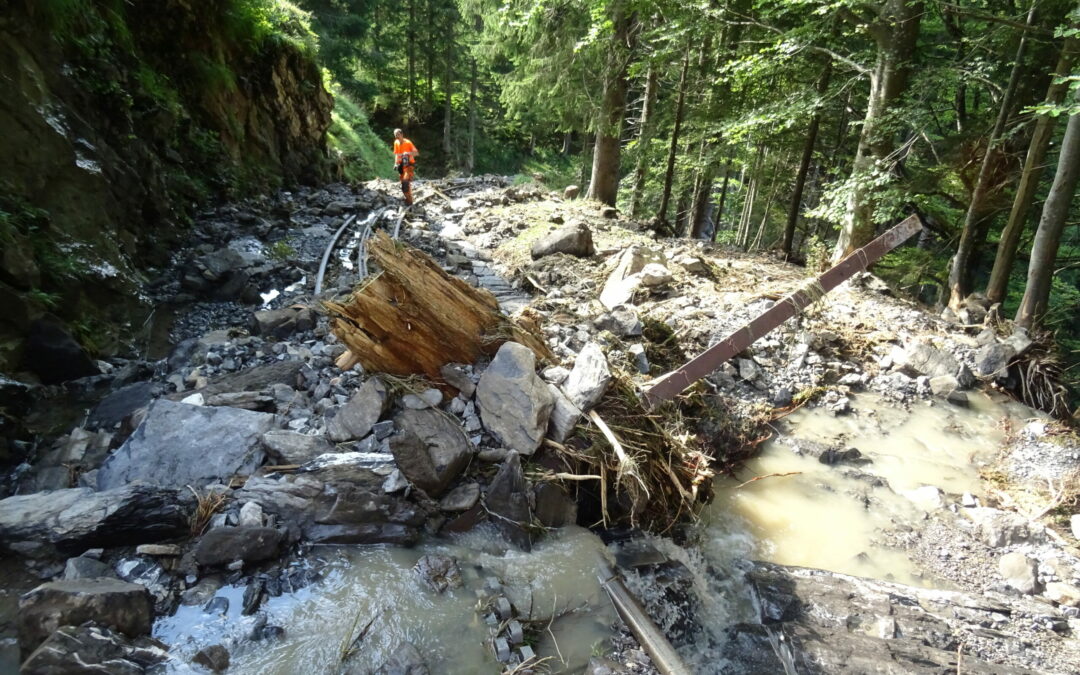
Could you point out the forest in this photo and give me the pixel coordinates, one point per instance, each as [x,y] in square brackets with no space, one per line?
[801,127]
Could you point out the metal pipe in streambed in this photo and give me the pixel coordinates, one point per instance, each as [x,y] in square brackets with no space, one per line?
[329,249]
[652,640]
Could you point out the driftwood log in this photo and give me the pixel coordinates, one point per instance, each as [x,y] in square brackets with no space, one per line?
[413,318]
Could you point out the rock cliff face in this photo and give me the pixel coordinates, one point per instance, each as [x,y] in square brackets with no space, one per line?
[118,118]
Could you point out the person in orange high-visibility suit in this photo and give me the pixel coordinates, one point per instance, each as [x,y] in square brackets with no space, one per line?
[405,162]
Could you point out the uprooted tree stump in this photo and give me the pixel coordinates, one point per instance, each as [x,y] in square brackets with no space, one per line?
[413,318]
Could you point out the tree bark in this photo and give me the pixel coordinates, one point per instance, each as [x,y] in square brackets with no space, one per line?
[448,83]
[412,58]
[644,138]
[1051,224]
[669,174]
[804,164]
[719,214]
[1034,164]
[470,157]
[895,32]
[604,183]
[977,219]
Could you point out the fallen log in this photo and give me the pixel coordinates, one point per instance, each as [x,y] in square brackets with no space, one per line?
[673,383]
[413,318]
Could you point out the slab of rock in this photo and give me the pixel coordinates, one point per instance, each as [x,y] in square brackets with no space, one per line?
[515,403]
[621,283]
[922,358]
[998,528]
[289,447]
[554,507]
[118,605]
[1020,571]
[53,355]
[575,239]
[281,323]
[257,378]
[508,500]
[73,520]
[223,545]
[430,450]
[81,567]
[461,498]
[179,444]
[589,378]
[95,650]
[927,497]
[355,419]
[564,416]
[456,377]
[117,406]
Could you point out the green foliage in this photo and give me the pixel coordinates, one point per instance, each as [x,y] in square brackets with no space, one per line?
[909,267]
[361,154]
[281,250]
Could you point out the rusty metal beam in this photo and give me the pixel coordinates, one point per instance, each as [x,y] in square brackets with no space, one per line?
[669,385]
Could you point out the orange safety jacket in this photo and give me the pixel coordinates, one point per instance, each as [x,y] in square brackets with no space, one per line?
[401,147]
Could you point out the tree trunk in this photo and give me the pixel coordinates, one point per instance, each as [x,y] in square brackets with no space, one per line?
[896,33]
[1034,164]
[773,189]
[470,157]
[743,238]
[977,218]
[669,174]
[448,83]
[566,140]
[604,183]
[804,164]
[1051,224]
[412,58]
[644,138]
[719,213]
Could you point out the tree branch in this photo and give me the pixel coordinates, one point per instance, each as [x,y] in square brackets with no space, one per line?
[962,11]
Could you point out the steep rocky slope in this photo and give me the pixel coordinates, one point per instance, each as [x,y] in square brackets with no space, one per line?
[117,118]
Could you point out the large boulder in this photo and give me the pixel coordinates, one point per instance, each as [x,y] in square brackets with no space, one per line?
[355,419]
[574,239]
[589,379]
[993,359]
[180,444]
[515,403]
[922,358]
[94,650]
[117,406]
[127,608]
[223,545]
[430,450]
[73,520]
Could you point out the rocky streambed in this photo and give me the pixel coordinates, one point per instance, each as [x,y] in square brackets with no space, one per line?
[230,498]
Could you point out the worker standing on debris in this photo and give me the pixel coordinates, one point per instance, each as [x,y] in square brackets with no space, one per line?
[405,162]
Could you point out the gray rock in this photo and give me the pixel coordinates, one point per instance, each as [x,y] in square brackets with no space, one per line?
[82,567]
[623,281]
[224,545]
[564,416]
[574,239]
[355,419]
[454,374]
[554,507]
[461,498]
[251,515]
[247,400]
[692,264]
[53,355]
[112,603]
[589,378]
[281,323]
[429,398]
[440,572]
[117,406]
[922,358]
[507,498]
[1001,528]
[641,360]
[515,404]
[1020,571]
[555,374]
[748,370]
[622,321]
[289,447]
[943,385]
[179,444]
[655,275]
[159,550]
[571,192]
[73,520]
[214,658]
[1063,593]
[430,450]
[993,359]
[95,650]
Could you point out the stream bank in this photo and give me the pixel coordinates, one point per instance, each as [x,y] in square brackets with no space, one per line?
[272,397]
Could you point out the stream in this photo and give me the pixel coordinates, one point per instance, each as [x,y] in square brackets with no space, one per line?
[833,517]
